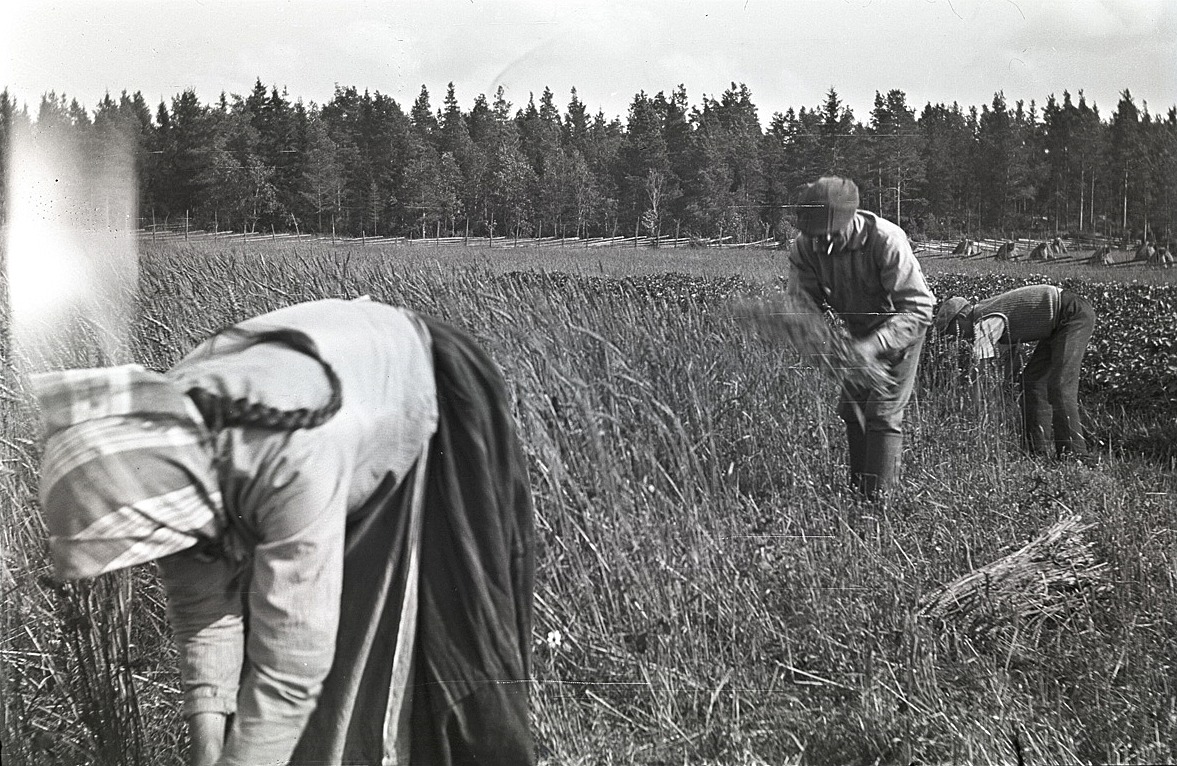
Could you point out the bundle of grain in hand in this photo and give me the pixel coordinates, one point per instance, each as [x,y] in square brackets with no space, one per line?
[798,322]
[1037,583]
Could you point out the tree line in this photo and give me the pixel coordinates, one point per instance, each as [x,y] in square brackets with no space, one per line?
[361,164]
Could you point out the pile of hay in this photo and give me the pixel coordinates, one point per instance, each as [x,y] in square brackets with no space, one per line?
[1040,583]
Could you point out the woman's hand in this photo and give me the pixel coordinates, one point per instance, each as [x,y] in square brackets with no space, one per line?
[207,734]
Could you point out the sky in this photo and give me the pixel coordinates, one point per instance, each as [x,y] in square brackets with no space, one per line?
[788,52]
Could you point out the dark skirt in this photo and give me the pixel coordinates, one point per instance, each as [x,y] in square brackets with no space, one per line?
[471,661]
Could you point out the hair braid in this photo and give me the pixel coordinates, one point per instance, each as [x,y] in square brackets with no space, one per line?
[223,412]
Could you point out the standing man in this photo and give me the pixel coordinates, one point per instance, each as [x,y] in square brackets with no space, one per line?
[1061,322]
[862,267]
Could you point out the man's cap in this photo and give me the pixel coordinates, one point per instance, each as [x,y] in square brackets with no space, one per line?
[826,205]
[948,311]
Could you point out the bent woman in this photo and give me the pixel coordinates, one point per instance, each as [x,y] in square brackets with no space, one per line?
[339,505]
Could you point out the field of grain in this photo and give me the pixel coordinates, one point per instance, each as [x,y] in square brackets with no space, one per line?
[707,593]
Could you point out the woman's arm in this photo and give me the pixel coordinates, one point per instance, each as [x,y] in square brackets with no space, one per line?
[297,577]
[207,734]
[205,615]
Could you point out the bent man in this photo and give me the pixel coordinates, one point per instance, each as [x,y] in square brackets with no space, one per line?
[1061,322]
[862,267]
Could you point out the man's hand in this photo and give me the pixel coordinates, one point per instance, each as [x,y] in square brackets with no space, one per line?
[872,369]
[867,349]
[207,734]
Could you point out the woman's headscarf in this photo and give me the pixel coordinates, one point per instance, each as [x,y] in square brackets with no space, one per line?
[126,474]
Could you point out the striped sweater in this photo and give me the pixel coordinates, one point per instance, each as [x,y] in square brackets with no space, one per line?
[1017,316]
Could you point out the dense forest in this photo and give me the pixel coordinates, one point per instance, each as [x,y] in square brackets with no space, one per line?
[361,164]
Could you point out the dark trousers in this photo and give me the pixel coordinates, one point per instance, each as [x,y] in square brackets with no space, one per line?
[1050,383]
[874,424]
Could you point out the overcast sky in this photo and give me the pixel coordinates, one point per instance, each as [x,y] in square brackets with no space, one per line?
[788,52]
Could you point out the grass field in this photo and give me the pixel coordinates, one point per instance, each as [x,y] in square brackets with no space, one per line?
[708,593]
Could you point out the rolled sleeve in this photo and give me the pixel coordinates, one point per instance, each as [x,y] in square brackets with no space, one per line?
[205,612]
[208,700]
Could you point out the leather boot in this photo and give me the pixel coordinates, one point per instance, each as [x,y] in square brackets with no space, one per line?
[880,471]
[856,448]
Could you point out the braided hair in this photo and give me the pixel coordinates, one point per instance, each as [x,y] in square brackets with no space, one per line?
[220,411]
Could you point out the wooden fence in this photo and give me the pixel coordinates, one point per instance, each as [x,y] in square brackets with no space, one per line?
[173,233]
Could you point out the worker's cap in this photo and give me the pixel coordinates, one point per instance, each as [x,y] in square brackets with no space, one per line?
[826,205]
[948,311]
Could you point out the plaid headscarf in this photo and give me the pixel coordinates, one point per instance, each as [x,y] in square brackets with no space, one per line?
[126,475]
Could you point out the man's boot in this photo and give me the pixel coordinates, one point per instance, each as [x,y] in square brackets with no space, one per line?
[880,471]
[856,447]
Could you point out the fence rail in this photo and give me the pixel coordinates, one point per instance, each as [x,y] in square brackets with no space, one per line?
[172,233]
[1078,249]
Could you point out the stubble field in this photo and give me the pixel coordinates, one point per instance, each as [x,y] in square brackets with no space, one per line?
[707,590]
